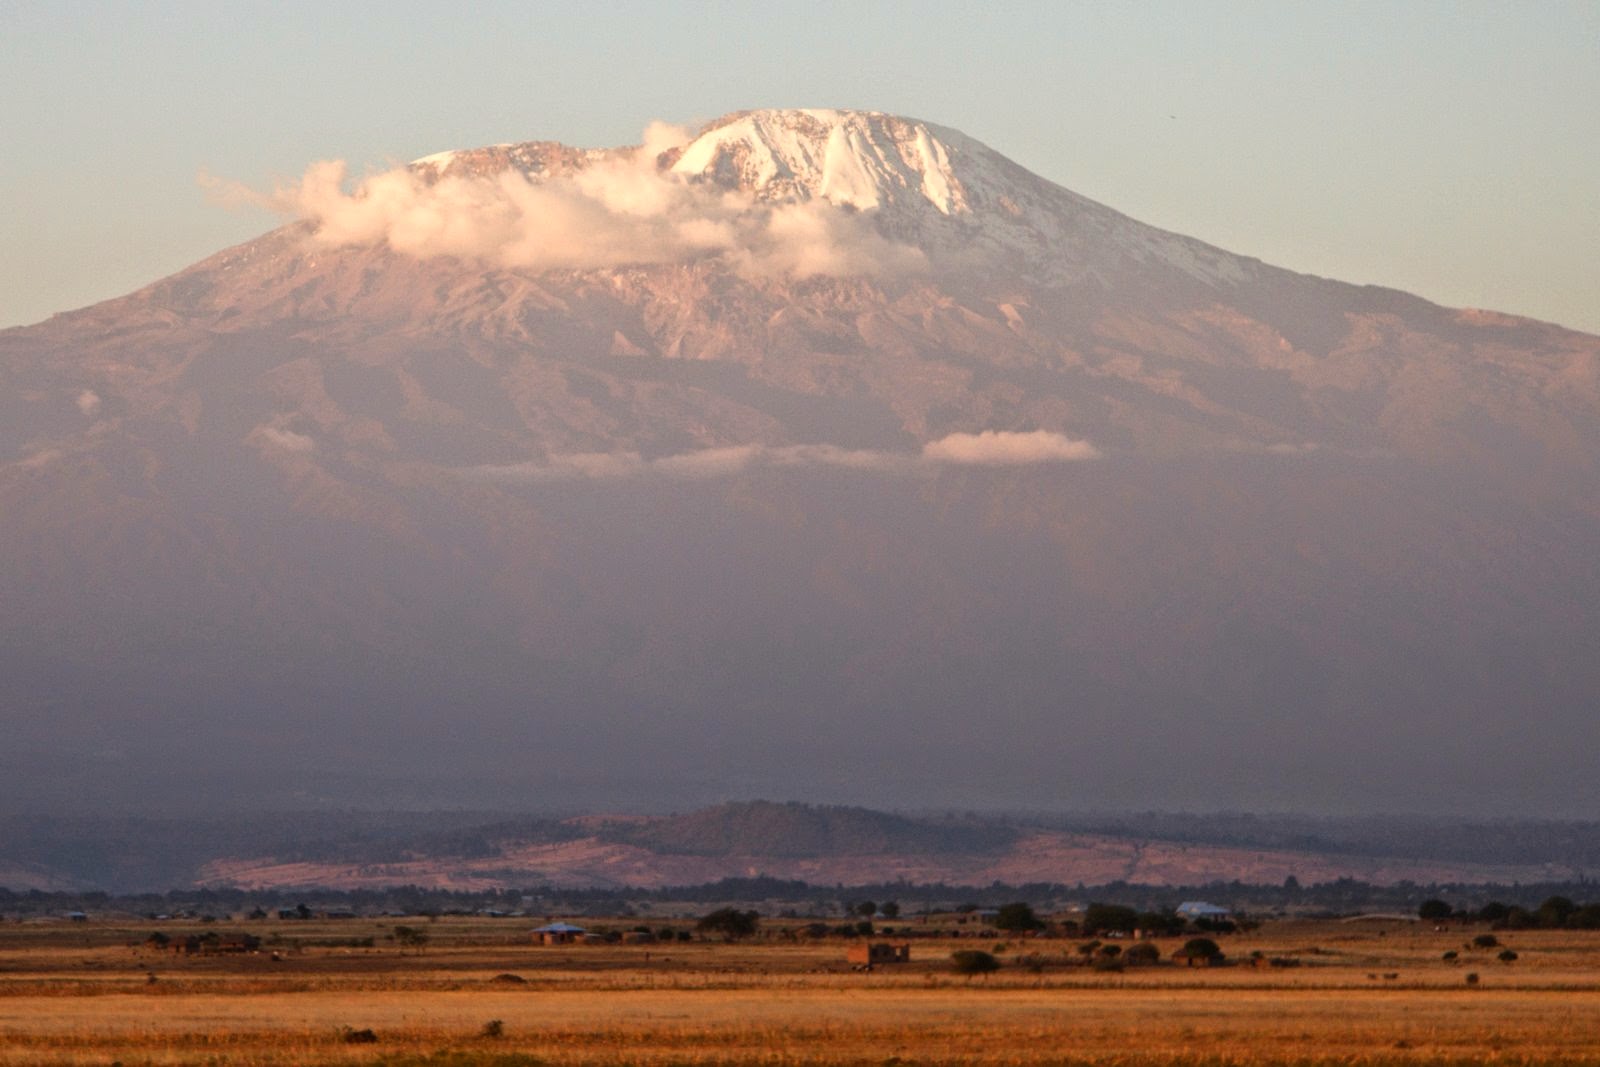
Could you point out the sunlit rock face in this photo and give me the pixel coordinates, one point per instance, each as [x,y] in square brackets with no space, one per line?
[820,454]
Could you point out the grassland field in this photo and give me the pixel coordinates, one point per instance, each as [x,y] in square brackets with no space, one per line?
[97,993]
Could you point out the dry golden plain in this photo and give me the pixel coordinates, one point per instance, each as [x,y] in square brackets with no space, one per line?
[90,993]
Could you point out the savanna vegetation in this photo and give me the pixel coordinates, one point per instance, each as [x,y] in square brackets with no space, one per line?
[473,990]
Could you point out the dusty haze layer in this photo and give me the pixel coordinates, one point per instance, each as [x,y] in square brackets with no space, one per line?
[822,454]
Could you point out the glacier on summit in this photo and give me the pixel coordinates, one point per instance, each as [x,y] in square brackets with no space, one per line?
[799,193]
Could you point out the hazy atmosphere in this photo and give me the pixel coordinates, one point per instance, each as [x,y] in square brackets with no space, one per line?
[552,411]
[732,533]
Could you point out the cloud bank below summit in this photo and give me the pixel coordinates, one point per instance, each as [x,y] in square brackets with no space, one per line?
[991,448]
[620,210]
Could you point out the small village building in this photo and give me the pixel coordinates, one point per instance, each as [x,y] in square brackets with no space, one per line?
[1195,910]
[557,934]
[876,952]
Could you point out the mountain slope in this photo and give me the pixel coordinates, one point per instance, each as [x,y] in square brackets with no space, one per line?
[822,453]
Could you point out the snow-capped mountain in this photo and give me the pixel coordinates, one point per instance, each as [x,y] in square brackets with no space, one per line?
[936,189]
[821,453]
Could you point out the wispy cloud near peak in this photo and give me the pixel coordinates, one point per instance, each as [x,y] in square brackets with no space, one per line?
[991,448]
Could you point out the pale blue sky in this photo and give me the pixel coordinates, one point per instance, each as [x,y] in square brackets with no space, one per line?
[1452,149]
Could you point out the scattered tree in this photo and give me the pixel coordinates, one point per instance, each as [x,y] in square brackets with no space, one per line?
[1554,912]
[890,910]
[1017,918]
[1493,912]
[1108,918]
[1163,923]
[1434,911]
[1201,948]
[731,923]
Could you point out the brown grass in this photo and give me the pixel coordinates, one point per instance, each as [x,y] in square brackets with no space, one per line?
[82,995]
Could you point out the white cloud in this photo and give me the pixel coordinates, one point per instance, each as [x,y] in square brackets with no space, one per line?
[998,448]
[991,448]
[287,440]
[619,211]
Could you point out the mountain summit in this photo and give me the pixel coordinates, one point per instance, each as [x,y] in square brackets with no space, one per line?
[818,453]
[932,188]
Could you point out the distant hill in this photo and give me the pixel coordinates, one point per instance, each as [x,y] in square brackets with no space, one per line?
[818,845]
[795,831]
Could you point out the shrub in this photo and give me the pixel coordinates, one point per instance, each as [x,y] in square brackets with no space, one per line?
[971,961]
[493,1028]
[357,1037]
[1486,941]
[1450,954]
[1506,956]
[1472,977]
[410,937]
